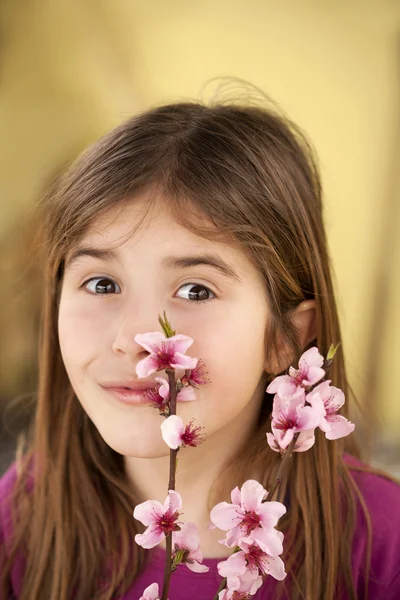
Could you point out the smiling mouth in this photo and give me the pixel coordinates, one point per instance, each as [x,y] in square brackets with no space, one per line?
[134,387]
[130,396]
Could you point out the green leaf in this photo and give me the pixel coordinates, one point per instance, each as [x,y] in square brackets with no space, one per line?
[332,351]
[165,324]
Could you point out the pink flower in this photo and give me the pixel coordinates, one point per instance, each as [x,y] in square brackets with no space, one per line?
[329,400]
[196,376]
[304,442]
[260,562]
[291,416]
[186,394]
[308,373]
[160,395]
[175,433]
[253,559]
[165,353]
[159,519]
[241,582]
[151,593]
[249,517]
[186,550]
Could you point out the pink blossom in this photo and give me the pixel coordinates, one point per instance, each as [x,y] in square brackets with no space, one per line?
[308,373]
[253,559]
[165,353]
[249,517]
[160,395]
[290,416]
[241,582]
[261,562]
[196,376]
[159,519]
[329,400]
[186,394]
[151,593]
[175,433]
[305,441]
[185,544]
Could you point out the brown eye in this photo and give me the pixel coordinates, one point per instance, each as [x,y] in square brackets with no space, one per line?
[102,286]
[198,293]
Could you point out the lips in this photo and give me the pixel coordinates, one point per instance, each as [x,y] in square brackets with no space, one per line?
[135,386]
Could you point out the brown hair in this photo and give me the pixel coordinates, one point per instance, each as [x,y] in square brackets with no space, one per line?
[245,174]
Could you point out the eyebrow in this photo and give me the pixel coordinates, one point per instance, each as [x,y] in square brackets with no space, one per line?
[168,262]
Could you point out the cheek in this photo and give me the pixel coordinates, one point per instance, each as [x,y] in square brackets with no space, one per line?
[81,329]
[233,346]
[234,357]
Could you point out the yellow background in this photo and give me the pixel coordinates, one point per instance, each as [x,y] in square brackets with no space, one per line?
[72,69]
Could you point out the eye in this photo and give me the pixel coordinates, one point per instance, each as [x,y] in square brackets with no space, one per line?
[103,286]
[198,293]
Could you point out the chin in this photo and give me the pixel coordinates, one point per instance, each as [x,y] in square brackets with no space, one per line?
[136,446]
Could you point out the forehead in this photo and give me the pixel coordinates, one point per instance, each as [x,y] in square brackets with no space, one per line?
[134,227]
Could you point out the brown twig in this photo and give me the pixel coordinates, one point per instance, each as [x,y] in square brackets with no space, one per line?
[171,486]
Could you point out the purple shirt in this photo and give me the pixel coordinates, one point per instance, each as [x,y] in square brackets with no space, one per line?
[383,501]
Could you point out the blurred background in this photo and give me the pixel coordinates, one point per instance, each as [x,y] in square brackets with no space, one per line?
[70,70]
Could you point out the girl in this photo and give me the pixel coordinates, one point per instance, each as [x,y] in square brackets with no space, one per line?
[213,214]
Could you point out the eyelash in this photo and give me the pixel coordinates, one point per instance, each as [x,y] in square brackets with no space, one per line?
[183,285]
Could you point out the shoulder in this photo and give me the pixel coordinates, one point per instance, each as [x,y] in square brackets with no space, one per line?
[381,496]
[379,492]
[373,485]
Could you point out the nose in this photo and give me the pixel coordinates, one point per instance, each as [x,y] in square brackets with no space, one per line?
[124,343]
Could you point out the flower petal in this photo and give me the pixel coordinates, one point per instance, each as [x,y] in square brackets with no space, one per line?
[274,566]
[305,441]
[284,437]
[163,390]
[271,512]
[151,592]
[225,515]
[273,442]
[197,567]
[275,383]
[311,358]
[314,374]
[179,342]
[288,390]
[148,365]
[187,394]
[148,511]
[172,429]
[340,427]
[236,496]
[235,565]
[310,416]
[188,537]
[268,540]
[252,494]
[150,538]
[232,537]
[323,389]
[181,361]
[173,501]
[150,341]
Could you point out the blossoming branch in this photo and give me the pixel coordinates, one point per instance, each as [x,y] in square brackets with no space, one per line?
[303,401]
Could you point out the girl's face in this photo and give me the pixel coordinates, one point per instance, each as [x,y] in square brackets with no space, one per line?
[107,299]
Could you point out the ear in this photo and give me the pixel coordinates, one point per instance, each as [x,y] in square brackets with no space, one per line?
[304,320]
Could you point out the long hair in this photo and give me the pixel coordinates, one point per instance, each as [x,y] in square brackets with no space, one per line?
[244,174]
